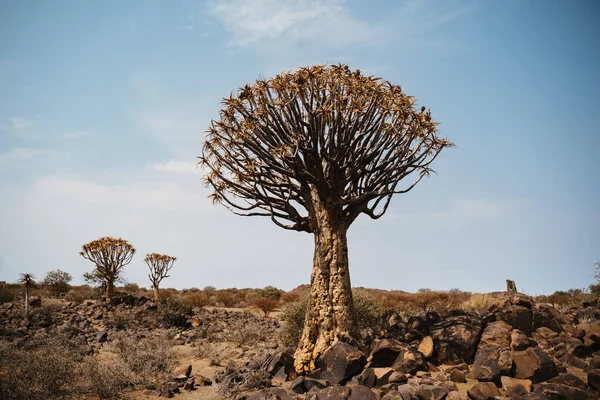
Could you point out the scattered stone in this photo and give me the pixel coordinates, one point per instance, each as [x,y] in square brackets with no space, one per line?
[384,352]
[593,378]
[409,361]
[455,338]
[340,362]
[362,393]
[534,364]
[515,387]
[426,347]
[483,391]
[185,370]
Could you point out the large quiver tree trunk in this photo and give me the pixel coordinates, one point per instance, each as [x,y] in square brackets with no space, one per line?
[330,314]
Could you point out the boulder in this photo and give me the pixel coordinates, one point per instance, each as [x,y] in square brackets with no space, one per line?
[455,338]
[492,362]
[185,370]
[339,363]
[431,392]
[593,378]
[483,391]
[270,394]
[384,352]
[519,341]
[409,361]
[567,386]
[330,393]
[426,347]
[361,393]
[533,363]
[519,317]
[279,360]
[515,387]
[458,376]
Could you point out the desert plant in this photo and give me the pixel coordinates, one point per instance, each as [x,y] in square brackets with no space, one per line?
[197,300]
[149,358]
[28,281]
[37,369]
[57,282]
[366,312]
[270,292]
[227,299]
[265,304]
[5,295]
[478,303]
[109,256]
[159,265]
[235,384]
[313,149]
[216,353]
[107,380]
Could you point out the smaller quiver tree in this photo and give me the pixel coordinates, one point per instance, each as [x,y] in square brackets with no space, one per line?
[28,280]
[109,255]
[159,265]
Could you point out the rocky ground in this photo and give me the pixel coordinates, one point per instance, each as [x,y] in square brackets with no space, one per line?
[516,350]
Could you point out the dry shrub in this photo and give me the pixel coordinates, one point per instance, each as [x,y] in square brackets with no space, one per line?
[197,300]
[104,379]
[173,312]
[265,304]
[564,300]
[227,299]
[149,359]
[79,294]
[38,369]
[478,303]
[235,384]
[290,297]
[246,333]
[216,353]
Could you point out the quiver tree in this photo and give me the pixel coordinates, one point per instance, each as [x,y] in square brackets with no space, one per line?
[159,266]
[27,280]
[109,255]
[313,149]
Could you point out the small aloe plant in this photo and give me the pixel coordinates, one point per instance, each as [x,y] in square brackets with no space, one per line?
[28,280]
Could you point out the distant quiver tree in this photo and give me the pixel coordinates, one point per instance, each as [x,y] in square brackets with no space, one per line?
[109,256]
[313,149]
[159,265]
[28,280]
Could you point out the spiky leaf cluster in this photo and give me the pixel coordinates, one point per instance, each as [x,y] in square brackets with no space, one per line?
[109,255]
[159,265]
[326,132]
[27,279]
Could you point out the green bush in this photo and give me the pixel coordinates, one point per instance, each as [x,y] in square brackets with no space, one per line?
[366,312]
[57,282]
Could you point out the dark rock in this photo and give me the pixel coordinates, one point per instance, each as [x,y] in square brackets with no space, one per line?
[361,393]
[384,352]
[519,341]
[533,364]
[270,394]
[35,301]
[367,377]
[340,362]
[493,358]
[559,391]
[431,392]
[280,359]
[298,385]
[455,338]
[279,378]
[515,387]
[310,383]
[458,376]
[409,361]
[408,391]
[330,393]
[547,317]
[101,337]
[190,384]
[593,378]
[519,317]
[570,359]
[483,391]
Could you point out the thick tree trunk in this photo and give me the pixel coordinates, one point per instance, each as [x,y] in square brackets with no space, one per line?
[329,316]
[110,288]
[155,289]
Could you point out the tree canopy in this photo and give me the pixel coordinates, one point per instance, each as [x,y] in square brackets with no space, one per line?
[349,137]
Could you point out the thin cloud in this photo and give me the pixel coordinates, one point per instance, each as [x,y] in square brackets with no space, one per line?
[262,21]
[79,135]
[177,167]
[19,156]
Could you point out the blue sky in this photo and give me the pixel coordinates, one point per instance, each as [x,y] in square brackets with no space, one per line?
[103,107]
